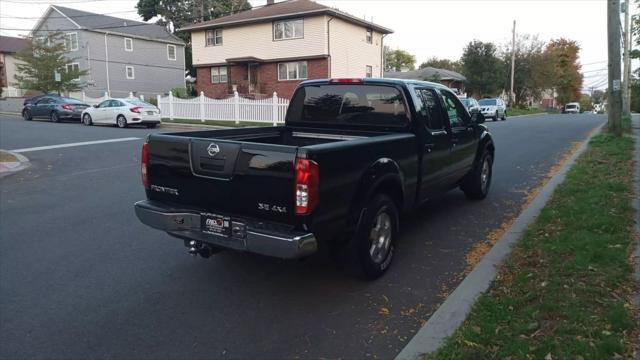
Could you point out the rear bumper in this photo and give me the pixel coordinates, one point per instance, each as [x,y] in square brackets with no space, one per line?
[260,238]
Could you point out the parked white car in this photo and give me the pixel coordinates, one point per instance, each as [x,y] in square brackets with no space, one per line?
[493,108]
[122,112]
[571,108]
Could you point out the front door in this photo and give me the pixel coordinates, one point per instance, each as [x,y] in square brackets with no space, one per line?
[464,140]
[253,78]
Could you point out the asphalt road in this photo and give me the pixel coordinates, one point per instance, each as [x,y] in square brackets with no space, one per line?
[80,277]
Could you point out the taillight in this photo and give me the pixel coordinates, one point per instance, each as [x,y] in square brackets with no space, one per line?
[307,179]
[135,109]
[144,165]
[66,107]
[345,81]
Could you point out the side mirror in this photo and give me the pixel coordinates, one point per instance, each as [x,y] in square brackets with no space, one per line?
[95,106]
[477,117]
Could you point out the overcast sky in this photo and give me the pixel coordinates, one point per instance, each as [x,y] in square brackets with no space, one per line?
[425,28]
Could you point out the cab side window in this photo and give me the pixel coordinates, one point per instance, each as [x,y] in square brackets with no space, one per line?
[430,110]
[456,112]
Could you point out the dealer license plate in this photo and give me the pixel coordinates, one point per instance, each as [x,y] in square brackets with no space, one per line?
[215,224]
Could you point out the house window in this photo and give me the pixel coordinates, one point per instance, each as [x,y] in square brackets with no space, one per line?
[128,44]
[369,71]
[214,37]
[73,67]
[218,74]
[71,41]
[288,29]
[171,52]
[130,72]
[369,36]
[292,70]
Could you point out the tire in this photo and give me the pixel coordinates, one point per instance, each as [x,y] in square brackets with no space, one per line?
[54,117]
[504,116]
[121,121]
[26,115]
[86,120]
[477,183]
[372,247]
[495,118]
[151,126]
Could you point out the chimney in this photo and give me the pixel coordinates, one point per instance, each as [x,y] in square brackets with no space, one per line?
[271,2]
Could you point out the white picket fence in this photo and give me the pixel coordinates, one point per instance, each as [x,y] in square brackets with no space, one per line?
[236,108]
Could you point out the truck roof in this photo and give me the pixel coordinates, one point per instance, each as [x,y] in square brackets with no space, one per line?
[373,81]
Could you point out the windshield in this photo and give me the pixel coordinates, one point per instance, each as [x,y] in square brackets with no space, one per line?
[488,102]
[71,100]
[571,106]
[348,105]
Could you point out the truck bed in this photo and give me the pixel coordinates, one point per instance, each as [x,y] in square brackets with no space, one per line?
[279,136]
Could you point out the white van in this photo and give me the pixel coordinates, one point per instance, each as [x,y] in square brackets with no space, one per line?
[572,108]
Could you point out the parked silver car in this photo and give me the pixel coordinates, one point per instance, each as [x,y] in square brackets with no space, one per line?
[493,108]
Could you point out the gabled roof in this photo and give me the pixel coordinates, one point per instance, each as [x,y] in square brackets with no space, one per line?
[284,9]
[10,44]
[84,20]
[427,73]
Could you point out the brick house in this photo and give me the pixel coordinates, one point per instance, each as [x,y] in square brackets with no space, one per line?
[274,47]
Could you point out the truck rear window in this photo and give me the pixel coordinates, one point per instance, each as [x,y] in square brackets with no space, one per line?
[349,105]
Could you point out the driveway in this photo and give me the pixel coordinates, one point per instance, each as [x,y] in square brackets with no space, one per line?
[81,277]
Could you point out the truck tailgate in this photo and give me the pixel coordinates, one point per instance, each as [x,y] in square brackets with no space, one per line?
[223,177]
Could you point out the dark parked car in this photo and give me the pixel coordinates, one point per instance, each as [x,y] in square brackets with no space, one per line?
[471,104]
[54,108]
[33,100]
[353,156]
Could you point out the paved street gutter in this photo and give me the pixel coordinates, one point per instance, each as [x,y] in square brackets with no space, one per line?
[566,290]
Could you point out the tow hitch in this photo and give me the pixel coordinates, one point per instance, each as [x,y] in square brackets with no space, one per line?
[199,248]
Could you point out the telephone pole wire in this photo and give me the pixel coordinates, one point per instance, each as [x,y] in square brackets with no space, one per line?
[613,44]
[626,100]
[513,62]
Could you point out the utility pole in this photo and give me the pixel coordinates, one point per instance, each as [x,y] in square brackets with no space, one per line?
[613,42]
[513,61]
[626,100]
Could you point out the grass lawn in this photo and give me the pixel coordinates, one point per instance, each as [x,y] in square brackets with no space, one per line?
[518,111]
[565,291]
[215,122]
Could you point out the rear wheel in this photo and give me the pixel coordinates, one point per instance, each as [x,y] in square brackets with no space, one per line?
[372,248]
[476,184]
[121,121]
[504,115]
[27,115]
[495,118]
[54,117]
[86,119]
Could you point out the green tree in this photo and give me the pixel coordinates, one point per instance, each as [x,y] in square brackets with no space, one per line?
[445,64]
[567,79]
[396,60]
[177,14]
[533,69]
[598,96]
[585,103]
[39,62]
[482,68]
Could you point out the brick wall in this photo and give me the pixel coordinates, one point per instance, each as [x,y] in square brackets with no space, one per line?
[267,79]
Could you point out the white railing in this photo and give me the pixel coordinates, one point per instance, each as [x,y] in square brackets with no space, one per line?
[271,110]
[12,92]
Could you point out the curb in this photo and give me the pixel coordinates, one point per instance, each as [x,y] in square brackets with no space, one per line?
[636,204]
[10,113]
[452,313]
[8,168]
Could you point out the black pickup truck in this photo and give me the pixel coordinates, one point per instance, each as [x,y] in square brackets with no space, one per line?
[353,155]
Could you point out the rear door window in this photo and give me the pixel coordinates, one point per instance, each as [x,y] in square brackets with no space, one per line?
[344,104]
